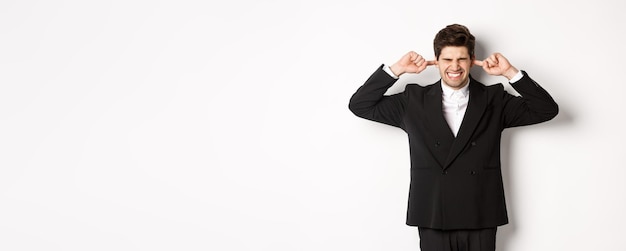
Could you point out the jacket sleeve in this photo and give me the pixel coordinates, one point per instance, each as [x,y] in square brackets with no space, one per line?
[535,105]
[369,101]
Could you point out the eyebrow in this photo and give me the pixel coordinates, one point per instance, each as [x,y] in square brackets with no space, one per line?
[457,58]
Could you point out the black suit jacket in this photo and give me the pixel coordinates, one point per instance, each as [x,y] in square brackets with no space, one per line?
[456,183]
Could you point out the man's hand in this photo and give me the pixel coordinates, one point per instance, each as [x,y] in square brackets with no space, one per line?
[497,65]
[410,63]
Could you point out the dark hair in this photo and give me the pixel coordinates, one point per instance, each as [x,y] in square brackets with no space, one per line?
[454,35]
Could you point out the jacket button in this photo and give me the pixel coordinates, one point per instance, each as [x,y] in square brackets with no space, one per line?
[473,143]
[444,172]
[437,144]
[473,172]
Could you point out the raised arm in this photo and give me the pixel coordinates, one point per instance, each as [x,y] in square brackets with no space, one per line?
[370,102]
[535,105]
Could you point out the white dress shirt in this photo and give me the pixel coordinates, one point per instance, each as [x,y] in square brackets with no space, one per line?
[454,102]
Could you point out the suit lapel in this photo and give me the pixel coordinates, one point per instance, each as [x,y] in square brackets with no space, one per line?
[437,125]
[475,109]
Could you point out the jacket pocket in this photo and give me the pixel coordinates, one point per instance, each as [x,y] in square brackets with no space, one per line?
[491,167]
[421,167]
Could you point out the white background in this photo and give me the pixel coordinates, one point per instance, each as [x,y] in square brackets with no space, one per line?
[223,125]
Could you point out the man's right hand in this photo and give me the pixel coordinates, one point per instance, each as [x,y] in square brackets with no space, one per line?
[411,63]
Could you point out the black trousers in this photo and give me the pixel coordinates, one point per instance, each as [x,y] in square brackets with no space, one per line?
[457,240]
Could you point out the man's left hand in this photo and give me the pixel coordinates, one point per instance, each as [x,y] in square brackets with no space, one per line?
[497,65]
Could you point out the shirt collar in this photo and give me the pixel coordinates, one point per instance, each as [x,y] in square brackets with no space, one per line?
[447,90]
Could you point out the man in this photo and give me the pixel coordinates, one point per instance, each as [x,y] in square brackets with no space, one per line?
[454,126]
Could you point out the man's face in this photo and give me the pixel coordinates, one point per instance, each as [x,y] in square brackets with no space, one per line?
[454,65]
